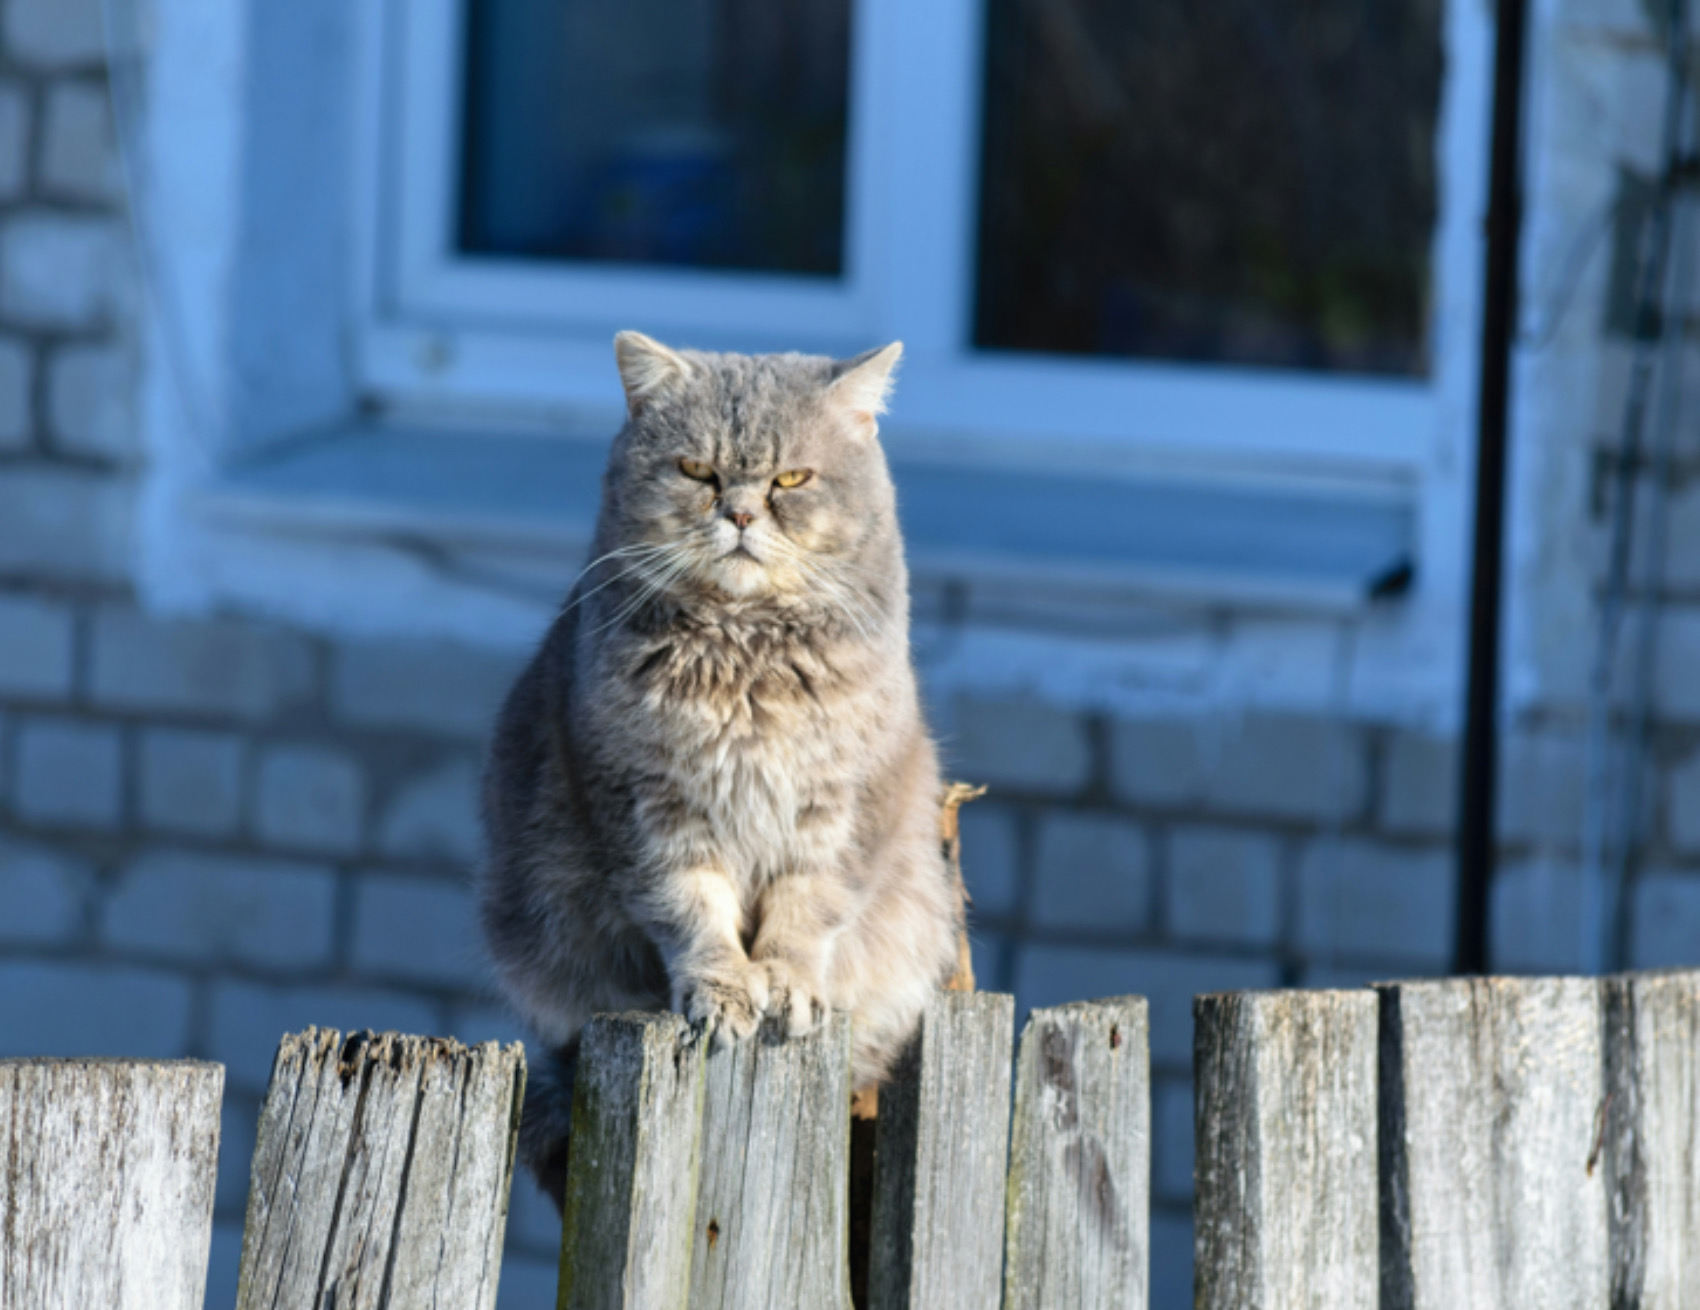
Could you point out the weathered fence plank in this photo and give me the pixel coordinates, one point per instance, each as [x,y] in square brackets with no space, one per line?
[1080,1160]
[631,1195]
[941,1160]
[1652,1139]
[381,1173]
[1286,1153]
[773,1198]
[107,1172]
[1492,1093]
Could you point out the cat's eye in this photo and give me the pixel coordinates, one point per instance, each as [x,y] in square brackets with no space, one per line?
[794,478]
[693,468]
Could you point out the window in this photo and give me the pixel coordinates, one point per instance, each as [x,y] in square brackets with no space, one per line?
[1223,181]
[585,138]
[1190,229]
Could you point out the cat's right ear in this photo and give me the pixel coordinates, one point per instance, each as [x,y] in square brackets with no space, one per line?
[647,368]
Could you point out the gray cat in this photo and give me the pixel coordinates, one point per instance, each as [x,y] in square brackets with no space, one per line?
[713,788]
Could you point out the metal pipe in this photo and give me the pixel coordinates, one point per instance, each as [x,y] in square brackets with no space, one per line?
[1476,829]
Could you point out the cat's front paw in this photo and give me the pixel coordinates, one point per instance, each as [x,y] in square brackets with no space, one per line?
[794,998]
[728,1003]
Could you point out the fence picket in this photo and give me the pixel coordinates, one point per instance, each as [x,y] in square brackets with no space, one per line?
[1492,1100]
[772,1207]
[941,1160]
[1286,1159]
[632,1169]
[1078,1227]
[381,1173]
[1652,1139]
[107,1173]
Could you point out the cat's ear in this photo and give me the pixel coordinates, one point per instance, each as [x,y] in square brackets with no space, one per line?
[647,368]
[863,384]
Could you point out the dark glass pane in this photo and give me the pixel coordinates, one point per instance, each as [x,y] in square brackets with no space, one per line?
[1224,180]
[698,132]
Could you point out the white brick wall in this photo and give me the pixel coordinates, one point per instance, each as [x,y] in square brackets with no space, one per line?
[64,525]
[1022,746]
[196,908]
[1092,874]
[312,799]
[69,773]
[60,270]
[1224,887]
[212,669]
[17,362]
[78,161]
[36,648]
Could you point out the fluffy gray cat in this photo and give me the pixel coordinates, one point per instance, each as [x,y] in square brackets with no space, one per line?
[713,788]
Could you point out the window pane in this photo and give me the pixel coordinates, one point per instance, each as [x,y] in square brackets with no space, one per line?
[691,132]
[1223,180]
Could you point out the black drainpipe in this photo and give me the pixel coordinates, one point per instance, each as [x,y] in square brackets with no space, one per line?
[1476,828]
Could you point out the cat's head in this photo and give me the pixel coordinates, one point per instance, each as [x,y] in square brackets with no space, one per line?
[749,475]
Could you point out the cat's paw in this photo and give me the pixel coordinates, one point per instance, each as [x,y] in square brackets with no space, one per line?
[728,1003]
[794,998]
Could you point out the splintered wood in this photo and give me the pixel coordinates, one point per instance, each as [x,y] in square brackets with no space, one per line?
[1492,1103]
[381,1174]
[772,1208]
[1080,1160]
[1286,1172]
[631,1195]
[1650,1147]
[938,1201]
[107,1169]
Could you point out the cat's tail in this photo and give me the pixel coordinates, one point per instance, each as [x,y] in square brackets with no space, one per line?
[547,1119]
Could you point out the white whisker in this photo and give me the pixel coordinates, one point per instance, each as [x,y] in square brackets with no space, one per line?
[654,580]
[641,550]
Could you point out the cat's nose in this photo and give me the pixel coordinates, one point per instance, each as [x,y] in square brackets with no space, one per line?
[742,519]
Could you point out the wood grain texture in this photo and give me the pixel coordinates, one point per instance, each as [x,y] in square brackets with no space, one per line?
[773,1197]
[107,1173]
[1492,1092]
[1078,1225]
[381,1173]
[956,795]
[629,1218]
[1285,1213]
[941,1160]
[1651,1147]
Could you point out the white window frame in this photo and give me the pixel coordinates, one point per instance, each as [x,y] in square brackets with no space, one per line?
[436,328]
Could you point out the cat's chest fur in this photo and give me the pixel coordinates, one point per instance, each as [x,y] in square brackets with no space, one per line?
[756,734]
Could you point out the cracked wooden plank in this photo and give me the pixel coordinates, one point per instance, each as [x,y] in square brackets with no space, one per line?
[1650,1147]
[941,1160]
[381,1173]
[773,1197]
[1286,1155]
[631,1194]
[108,1170]
[1492,1094]
[1078,1225]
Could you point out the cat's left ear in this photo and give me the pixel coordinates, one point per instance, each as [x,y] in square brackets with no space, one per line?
[863,384]
[647,368]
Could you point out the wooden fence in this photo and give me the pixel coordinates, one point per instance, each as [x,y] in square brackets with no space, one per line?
[1475,1144]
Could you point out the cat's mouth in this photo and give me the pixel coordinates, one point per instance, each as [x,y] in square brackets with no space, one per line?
[742,552]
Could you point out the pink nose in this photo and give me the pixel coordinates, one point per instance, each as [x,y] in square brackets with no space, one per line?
[742,519]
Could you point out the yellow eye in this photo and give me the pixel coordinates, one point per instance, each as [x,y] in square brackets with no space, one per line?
[795,478]
[692,468]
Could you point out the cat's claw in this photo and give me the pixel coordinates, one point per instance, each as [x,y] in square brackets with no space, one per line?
[729,1006]
[794,1000]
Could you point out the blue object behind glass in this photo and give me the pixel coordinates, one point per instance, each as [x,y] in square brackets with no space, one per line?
[705,133]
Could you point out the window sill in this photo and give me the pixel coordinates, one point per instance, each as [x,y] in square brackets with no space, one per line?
[510,516]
